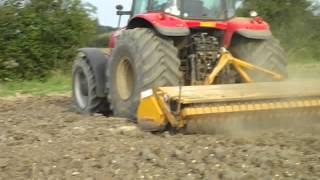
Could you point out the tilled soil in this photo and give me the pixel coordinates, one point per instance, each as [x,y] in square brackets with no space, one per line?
[43,138]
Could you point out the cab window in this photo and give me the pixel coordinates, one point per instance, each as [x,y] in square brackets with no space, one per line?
[160,5]
[140,6]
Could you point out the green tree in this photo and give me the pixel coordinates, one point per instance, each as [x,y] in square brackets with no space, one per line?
[293,22]
[41,36]
[102,36]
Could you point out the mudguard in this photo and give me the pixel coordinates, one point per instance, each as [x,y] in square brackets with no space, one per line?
[254,34]
[247,27]
[97,59]
[163,23]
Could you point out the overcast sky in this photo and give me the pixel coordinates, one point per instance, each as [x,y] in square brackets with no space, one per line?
[107,11]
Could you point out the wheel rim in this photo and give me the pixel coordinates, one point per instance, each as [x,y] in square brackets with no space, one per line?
[124,79]
[81,87]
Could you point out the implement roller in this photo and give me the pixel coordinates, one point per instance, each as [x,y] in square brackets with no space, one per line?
[192,66]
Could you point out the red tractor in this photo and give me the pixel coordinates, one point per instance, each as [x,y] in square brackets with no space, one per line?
[171,43]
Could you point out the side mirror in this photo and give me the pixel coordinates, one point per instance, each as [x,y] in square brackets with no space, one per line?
[119,7]
[120,12]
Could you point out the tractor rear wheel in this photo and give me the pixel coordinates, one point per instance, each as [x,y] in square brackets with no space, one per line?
[141,60]
[84,88]
[263,53]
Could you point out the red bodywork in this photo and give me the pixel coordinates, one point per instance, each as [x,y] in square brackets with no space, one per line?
[160,20]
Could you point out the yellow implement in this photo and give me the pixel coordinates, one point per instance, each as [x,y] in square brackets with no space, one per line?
[214,108]
[179,107]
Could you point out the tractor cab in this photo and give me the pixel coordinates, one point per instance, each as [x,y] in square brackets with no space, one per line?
[189,9]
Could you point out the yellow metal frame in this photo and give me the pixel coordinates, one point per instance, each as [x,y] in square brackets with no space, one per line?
[165,109]
[239,65]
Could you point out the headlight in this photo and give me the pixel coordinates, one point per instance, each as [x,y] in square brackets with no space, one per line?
[253,14]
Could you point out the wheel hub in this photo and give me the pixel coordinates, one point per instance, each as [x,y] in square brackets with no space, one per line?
[124,79]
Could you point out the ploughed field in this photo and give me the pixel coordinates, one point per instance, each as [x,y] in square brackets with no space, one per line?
[43,138]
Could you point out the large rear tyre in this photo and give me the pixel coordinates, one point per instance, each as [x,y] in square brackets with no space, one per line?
[263,53]
[141,60]
[84,89]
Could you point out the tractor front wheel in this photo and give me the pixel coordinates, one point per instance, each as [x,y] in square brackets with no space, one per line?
[84,88]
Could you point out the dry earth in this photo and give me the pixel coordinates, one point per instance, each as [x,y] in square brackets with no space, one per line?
[42,138]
